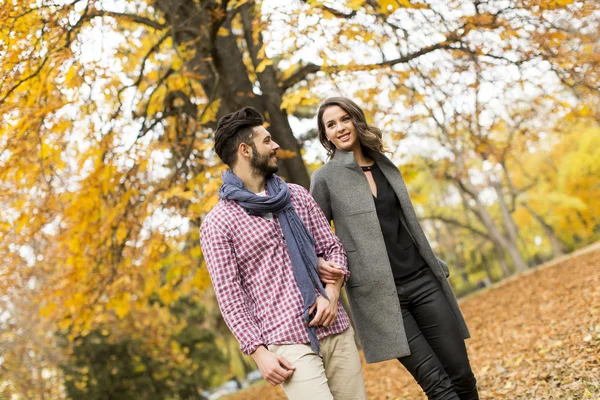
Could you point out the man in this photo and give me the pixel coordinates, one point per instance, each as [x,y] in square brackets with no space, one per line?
[261,242]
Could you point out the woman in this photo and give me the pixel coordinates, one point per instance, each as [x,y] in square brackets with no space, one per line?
[401,302]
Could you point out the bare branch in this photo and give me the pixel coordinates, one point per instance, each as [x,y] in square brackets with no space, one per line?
[454,222]
[340,14]
[308,69]
[132,17]
[300,75]
[335,12]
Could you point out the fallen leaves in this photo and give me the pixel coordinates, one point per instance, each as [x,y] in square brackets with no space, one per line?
[534,337]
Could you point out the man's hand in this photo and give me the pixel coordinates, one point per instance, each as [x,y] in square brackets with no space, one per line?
[326,310]
[273,367]
[329,272]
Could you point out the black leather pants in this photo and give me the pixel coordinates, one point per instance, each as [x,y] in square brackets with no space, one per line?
[438,359]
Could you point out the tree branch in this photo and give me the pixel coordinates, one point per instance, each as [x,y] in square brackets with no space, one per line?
[308,69]
[340,14]
[132,17]
[457,223]
[300,75]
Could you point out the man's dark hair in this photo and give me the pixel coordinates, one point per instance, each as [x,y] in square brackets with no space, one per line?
[234,129]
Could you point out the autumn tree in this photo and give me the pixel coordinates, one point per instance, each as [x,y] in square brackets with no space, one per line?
[108,110]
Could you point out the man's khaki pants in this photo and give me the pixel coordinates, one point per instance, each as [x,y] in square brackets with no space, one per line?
[335,375]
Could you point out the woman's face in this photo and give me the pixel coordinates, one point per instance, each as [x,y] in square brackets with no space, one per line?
[340,129]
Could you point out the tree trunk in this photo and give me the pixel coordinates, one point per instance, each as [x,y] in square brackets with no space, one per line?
[487,267]
[272,98]
[558,248]
[495,234]
[511,230]
[219,67]
[506,272]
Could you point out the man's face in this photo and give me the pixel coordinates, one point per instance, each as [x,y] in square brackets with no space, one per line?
[264,152]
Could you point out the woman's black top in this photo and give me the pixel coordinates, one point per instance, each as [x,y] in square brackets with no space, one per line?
[402,251]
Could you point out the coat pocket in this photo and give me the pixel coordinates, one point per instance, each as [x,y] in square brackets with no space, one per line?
[444,267]
[354,266]
[351,208]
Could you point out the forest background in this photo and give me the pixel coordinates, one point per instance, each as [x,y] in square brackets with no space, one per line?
[491,109]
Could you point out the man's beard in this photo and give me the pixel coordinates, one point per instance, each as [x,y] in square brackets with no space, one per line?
[260,163]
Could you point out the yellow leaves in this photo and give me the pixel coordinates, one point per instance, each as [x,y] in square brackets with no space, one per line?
[328,14]
[210,114]
[289,71]
[121,233]
[224,32]
[582,111]
[196,252]
[5,337]
[211,187]
[236,4]
[263,64]
[179,192]
[201,279]
[22,223]
[121,304]
[65,324]
[484,19]
[157,102]
[72,78]
[509,33]
[284,154]
[589,48]
[355,4]
[262,52]
[209,203]
[48,309]
[76,301]
[388,7]
[167,295]
[301,97]
[554,4]
[173,272]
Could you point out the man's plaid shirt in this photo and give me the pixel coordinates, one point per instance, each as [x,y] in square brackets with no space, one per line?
[252,273]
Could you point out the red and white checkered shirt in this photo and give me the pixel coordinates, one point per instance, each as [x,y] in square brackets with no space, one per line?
[251,272]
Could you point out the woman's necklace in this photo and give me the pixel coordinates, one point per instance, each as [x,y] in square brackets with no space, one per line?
[368,167]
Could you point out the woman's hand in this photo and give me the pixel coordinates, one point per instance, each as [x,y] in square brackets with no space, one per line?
[326,311]
[329,272]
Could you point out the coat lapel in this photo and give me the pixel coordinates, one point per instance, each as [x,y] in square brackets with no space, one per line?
[394,177]
[391,173]
[361,190]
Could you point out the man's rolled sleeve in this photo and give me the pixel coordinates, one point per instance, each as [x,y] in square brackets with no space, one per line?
[233,301]
[327,244]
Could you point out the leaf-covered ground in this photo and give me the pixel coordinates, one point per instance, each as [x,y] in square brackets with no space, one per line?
[536,336]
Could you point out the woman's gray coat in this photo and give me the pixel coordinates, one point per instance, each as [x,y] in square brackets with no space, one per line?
[342,190]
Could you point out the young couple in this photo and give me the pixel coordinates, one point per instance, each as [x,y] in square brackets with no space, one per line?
[277,268]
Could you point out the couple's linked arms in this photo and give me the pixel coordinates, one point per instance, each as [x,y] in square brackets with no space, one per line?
[326,310]
[331,264]
[274,367]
